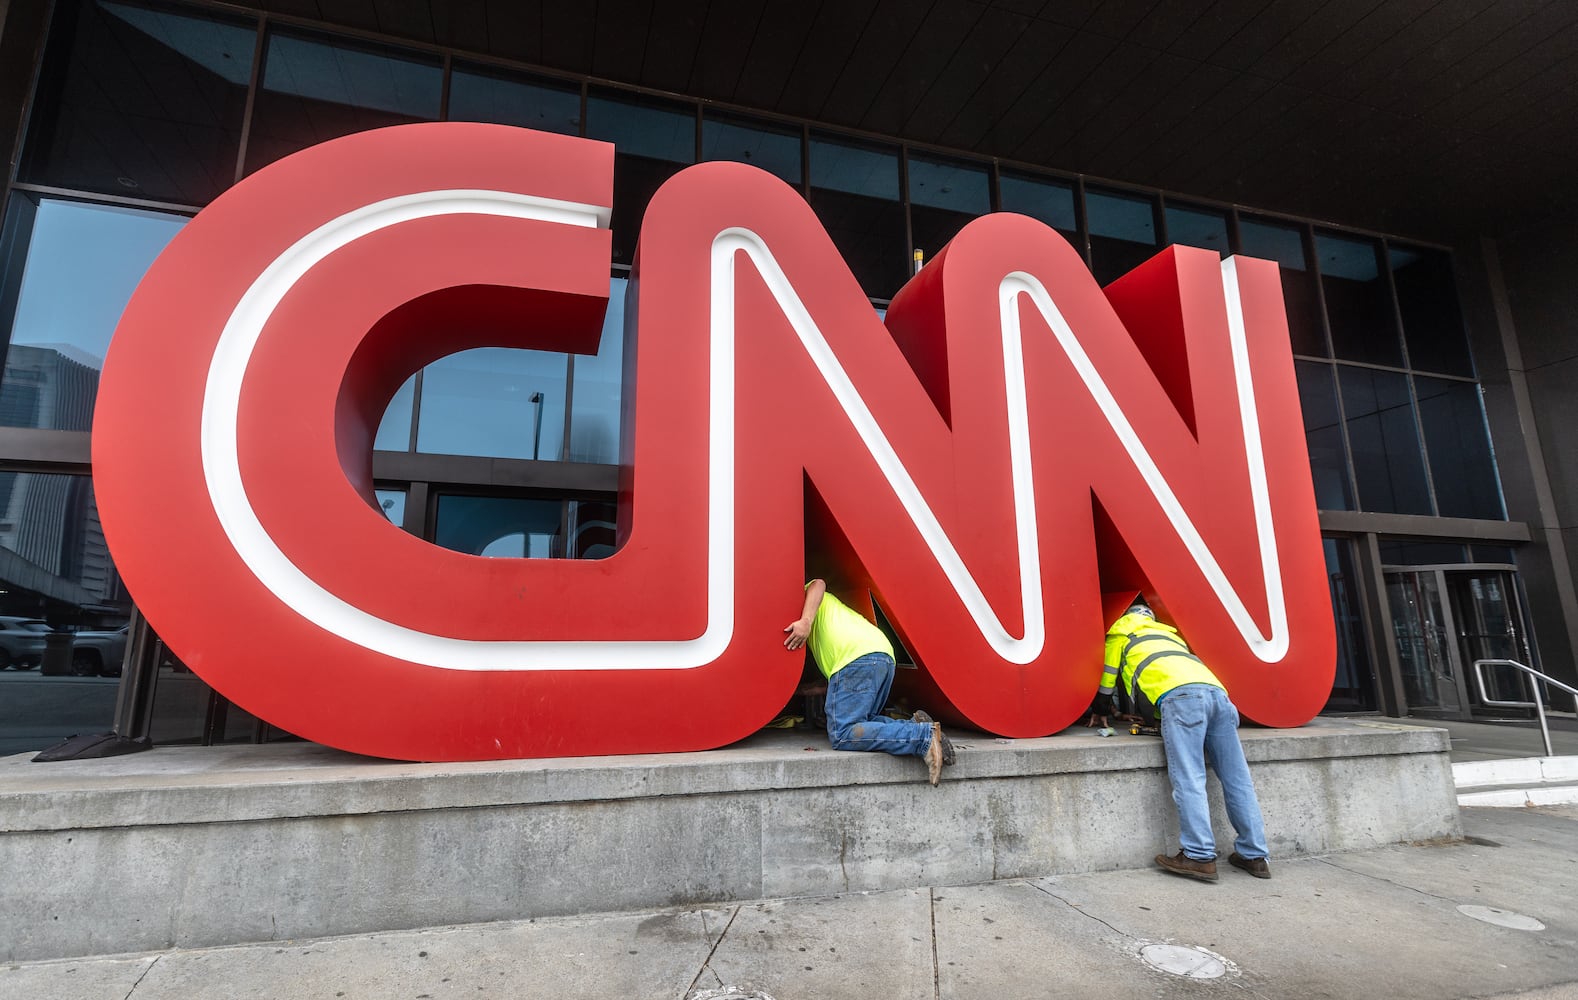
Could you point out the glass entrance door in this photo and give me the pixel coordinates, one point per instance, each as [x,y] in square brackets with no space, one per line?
[1488,618]
[1443,620]
[1425,647]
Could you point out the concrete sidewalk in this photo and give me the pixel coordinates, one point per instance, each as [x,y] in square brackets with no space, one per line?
[1395,922]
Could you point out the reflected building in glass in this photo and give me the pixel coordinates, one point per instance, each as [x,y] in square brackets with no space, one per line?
[1439,435]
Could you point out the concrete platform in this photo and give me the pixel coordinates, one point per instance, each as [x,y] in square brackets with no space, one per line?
[192,847]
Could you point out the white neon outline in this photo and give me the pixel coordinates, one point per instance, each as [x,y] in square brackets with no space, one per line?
[272,568]
[1267,648]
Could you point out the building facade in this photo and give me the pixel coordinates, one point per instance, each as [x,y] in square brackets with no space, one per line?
[1430,338]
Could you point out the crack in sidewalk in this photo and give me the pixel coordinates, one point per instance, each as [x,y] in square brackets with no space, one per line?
[1380,878]
[156,961]
[1082,911]
[706,963]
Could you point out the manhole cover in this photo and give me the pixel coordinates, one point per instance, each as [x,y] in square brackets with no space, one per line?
[1191,963]
[1501,918]
[730,993]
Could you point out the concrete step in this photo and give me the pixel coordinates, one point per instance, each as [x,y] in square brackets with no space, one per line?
[1519,781]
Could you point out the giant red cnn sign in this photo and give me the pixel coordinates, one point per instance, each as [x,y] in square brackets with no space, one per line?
[1009,443]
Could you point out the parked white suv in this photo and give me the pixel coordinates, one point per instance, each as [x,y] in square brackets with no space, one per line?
[22,642]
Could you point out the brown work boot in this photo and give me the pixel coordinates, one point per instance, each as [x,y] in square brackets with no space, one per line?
[1254,866]
[1183,864]
[948,754]
[934,755]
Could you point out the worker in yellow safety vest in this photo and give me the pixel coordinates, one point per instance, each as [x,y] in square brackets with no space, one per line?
[857,660]
[1198,722]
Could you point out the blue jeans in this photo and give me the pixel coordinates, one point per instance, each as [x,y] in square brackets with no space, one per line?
[856,696]
[1198,721]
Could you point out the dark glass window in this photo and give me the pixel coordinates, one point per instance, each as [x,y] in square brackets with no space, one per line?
[1122,232]
[653,140]
[1384,435]
[1353,687]
[477,94]
[1198,227]
[1432,320]
[944,195]
[56,576]
[1398,552]
[1323,435]
[599,388]
[72,269]
[1358,301]
[1458,443]
[855,192]
[315,90]
[144,100]
[1051,201]
[1491,554]
[1285,245]
[774,148]
[495,402]
[502,527]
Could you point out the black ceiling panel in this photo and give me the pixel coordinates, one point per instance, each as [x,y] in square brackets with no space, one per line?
[884,41]
[1423,117]
[725,46]
[1006,84]
[515,30]
[937,47]
[461,24]
[623,31]
[568,31]
[830,44]
[779,38]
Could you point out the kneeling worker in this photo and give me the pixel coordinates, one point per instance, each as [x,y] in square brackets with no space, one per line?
[857,660]
[1160,675]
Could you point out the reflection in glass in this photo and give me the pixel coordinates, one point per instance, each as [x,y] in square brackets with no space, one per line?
[855,193]
[315,90]
[1458,442]
[149,105]
[1358,302]
[775,148]
[1323,435]
[1043,198]
[653,140]
[1384,435]
[599,387]
[392,503]
[478,94]
[1122,232]
[72,269]
[594,529]
[943,197]
[56,576]
[1420,633]
[1432,320]
[495,402]
[500,527]
[1485,609]
[1285,245]
[1353,688]
[1197,227]
[394,431]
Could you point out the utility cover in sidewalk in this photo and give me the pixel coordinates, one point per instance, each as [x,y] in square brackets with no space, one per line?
[1191,963]
[1501,918]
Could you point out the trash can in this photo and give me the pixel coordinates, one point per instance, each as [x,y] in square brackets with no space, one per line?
[57,654]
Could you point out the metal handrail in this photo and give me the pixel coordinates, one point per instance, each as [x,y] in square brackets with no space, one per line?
[1529,675]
